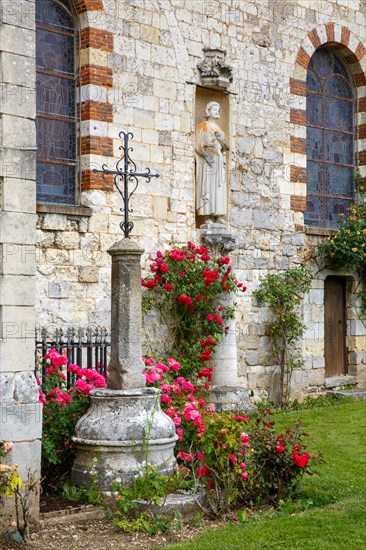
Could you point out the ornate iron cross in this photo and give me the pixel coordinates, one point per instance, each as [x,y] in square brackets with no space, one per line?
[125,173]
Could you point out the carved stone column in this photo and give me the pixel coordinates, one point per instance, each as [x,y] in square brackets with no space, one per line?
[226,392]
[126,364]
[125,427]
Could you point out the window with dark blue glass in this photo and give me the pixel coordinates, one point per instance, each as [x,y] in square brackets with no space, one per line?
[330,109]
[56,119]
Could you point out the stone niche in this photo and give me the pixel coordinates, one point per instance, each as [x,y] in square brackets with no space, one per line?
[204,96]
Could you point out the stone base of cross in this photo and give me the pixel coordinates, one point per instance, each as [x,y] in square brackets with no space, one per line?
[125,427]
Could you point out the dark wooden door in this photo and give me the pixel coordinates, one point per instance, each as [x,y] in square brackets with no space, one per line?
[335,326]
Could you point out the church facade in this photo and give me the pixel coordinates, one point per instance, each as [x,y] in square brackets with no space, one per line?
[290,79]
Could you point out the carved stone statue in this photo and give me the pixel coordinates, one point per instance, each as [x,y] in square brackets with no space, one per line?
[211,147]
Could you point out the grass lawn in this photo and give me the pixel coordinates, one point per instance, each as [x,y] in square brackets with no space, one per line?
[329,511]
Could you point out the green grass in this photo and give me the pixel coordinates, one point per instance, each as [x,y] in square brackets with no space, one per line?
[328,511]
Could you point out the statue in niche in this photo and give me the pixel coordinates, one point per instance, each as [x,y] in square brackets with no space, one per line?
[211,147]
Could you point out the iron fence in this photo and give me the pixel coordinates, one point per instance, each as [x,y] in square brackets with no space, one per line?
[86,347]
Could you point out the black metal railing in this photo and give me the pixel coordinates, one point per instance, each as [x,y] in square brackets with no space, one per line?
[86,347]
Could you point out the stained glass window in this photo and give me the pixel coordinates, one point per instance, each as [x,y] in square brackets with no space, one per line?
[330,108]
[56,119]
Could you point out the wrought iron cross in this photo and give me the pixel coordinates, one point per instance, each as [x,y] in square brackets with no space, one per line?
[125,173]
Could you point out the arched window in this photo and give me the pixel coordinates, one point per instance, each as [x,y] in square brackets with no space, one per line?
[330,110]
[56,103]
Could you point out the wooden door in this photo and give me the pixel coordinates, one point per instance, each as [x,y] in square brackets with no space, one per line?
[335,326]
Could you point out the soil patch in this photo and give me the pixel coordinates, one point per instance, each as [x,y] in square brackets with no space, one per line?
[55,504]
[101,535]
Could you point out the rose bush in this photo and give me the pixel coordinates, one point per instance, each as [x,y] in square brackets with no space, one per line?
[279,460]
[62,408]
[185,287]
[238,460]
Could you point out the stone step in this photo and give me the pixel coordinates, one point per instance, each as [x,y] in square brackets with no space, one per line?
[357,395]
[84,512]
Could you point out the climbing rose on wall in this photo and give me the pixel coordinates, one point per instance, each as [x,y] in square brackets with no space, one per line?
[186,287]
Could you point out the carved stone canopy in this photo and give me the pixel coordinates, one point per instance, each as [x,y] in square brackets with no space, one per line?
[214,70]
[218,239]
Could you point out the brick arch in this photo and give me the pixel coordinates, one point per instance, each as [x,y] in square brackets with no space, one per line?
[81,6]
[348,45]
[96,78]
[353,52]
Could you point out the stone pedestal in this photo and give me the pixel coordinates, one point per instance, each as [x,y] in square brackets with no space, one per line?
[123,431]
[125,428]
[226,392]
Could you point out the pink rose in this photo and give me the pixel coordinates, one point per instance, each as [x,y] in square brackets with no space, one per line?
[81,385]
[8,446]
[244,438]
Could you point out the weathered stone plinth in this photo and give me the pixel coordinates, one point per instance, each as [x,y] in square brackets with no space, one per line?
[226,392]
[123,430]
[228,398]
[125,427]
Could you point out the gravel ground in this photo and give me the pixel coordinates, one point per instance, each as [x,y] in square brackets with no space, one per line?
[100,535]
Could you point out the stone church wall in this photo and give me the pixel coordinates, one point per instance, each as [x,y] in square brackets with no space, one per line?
[139,74]
[20,412]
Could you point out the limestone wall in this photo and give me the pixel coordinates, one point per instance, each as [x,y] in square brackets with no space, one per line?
[153,56]
[21,415]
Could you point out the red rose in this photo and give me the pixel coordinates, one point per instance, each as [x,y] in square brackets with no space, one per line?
[280,449]
[148,284]
[300,460]
[183,299]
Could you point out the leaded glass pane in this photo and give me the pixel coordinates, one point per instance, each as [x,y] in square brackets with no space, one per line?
[314,108]
[323,62]
[335,207]
[314,144]
[55,139]
[330,136]
[55,99]
[55,95]
[338,114]
[55,52]
[314,175]
[338,147]
[314,211]
[312,82]
[52,14]
[55,183]
[337,86]
[338,180]
[340,68]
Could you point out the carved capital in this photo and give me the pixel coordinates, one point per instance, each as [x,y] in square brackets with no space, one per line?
[218,239]
[214,70]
